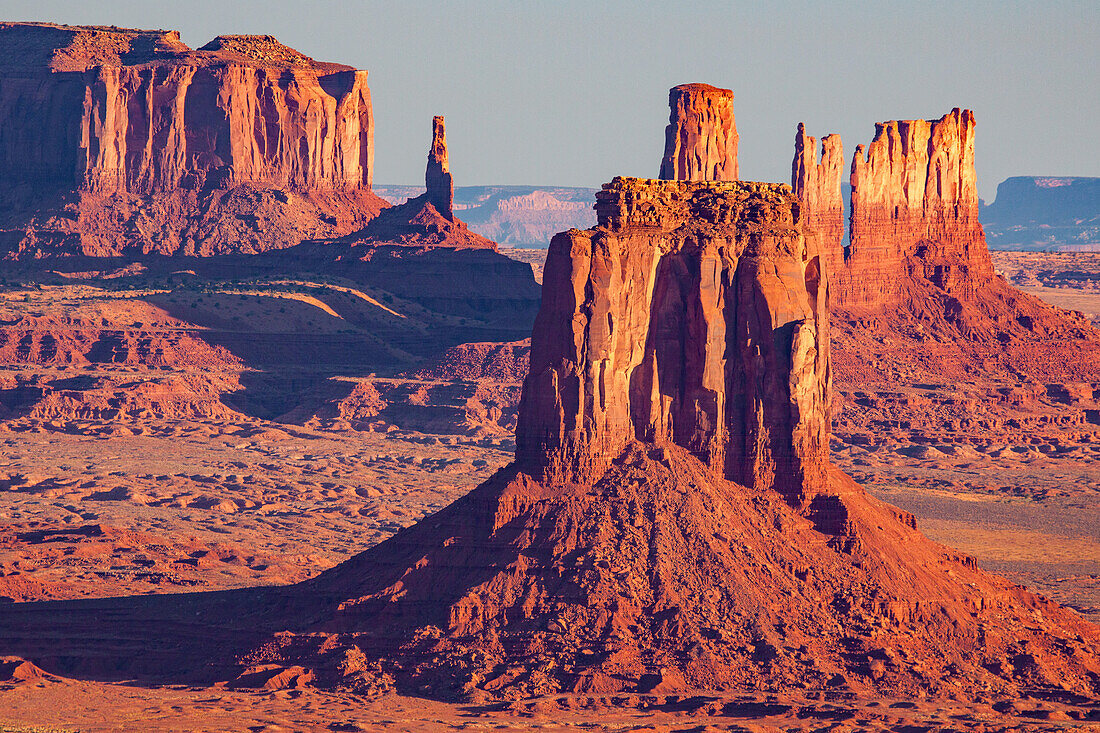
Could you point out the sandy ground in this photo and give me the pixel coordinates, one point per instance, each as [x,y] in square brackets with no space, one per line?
[1074,300]
[209,507]
[993,507]
[1068,280]
[48,705]
[300,500]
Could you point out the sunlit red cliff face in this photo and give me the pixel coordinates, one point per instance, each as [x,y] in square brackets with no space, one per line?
[816,182]
[701,137]
[116,140]
[675,321]
[916,289]
[914,209]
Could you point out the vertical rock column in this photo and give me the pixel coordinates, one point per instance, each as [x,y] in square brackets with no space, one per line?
[701,137]
[437,178]
[816,183]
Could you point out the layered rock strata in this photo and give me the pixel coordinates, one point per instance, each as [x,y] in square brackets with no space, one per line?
[103,119]
[693,314]
[701,137]
[914,211]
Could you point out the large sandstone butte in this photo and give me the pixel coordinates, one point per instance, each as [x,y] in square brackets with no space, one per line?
[916,286]
[116,140]
[694,337]
[701,137]
[675,530]
[914,209]
[671,521]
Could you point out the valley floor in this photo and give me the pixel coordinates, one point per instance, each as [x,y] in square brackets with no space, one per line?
[56,706]
[130,476]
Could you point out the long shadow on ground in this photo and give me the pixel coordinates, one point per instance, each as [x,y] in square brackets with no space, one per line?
[187,638]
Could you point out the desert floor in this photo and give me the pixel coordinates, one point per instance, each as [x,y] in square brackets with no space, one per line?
[147,475]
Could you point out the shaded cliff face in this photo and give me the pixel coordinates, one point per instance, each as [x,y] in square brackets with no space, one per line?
[693,314]
[701,137]
[438,182]
[120,113]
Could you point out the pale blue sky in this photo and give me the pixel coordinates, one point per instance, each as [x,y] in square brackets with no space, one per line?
[573,93]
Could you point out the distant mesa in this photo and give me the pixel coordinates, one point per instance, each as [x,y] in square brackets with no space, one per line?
[513,216]
[701,137]
[152,116]
[1044,213]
